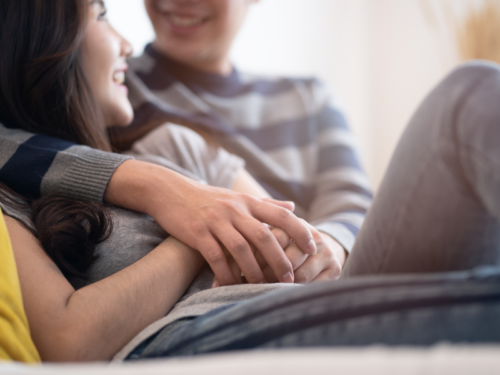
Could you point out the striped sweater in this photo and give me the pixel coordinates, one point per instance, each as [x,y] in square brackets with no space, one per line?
[290,132]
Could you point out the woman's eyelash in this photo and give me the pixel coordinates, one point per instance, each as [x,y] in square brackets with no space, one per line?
[103,14]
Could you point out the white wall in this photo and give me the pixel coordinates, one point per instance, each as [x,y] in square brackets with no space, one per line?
[380,56]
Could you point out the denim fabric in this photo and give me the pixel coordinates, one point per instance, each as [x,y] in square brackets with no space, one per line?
[437,210]
[392,310]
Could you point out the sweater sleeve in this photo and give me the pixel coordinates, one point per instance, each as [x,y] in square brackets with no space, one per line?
[35,165]
[342,189]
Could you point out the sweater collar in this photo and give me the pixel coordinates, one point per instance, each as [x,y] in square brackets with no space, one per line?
[196,79]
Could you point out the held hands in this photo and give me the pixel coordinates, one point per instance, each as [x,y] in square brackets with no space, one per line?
[208,219]
[326,264]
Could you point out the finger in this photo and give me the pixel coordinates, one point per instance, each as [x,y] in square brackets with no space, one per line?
[241,252]
[264,241]
[286,220]
[328,275]
[217,261]
[260,259]
[289,205]
[309,270]
[269,275]
[281,236]
[236,270]
[295,256]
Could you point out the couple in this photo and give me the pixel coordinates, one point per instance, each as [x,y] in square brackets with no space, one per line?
[101,281]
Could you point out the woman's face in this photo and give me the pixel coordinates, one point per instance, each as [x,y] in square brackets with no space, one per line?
[103,54]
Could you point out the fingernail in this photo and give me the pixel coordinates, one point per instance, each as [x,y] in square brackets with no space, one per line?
[311,247]
[215,284]
[287,278]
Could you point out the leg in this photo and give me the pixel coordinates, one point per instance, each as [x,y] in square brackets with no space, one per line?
[439,204]
[391,310]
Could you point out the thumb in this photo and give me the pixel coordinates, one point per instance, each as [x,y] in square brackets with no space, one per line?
[289,205]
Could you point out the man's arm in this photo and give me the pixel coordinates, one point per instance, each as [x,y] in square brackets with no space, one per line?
[206,217]
[343,192]
[201,216]
[37,165]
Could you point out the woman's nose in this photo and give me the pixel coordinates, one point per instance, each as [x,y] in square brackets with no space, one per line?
[127,48]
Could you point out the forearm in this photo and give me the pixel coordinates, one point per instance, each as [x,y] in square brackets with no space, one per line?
[101,318]
[245,183]
[35,165]
[147,188]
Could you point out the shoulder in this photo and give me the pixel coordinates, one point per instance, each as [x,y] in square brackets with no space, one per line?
[311,89]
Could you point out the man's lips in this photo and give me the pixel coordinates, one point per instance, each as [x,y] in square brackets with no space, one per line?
[184,23]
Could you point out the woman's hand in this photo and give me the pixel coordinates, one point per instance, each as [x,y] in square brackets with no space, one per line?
[205,218]
[326,264]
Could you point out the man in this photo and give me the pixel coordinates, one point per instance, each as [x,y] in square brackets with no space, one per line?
[278,137]
[293,138]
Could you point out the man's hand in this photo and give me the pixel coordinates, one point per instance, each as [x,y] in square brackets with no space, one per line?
[205,218]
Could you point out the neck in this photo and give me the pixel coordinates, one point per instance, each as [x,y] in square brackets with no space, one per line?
[220,66]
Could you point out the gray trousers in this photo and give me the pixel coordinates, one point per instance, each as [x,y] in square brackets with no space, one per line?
[438,207]
[436,213]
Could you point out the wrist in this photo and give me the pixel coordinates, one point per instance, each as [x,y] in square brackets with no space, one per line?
[142,186]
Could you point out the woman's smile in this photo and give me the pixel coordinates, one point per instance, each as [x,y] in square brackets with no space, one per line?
[104,53]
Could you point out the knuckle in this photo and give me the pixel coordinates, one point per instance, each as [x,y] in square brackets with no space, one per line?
[238,246]
[198,229]
[215,257]
[263,234]
[285,214]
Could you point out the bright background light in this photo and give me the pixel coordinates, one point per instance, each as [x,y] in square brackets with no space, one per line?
[380,56]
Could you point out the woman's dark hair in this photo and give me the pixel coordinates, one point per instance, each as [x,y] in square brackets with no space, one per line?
[43,89]
[68,230]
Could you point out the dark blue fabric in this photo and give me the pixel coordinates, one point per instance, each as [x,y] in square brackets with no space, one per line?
[166,72]
[415,310]
[337,156]
[25,170]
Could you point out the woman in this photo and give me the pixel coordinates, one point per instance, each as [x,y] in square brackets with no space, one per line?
[99,319]
[181,206]
[102,58]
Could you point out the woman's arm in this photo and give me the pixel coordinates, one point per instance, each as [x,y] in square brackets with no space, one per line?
[95,322]
[200,216]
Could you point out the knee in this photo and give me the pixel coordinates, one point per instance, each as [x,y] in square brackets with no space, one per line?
[469,76]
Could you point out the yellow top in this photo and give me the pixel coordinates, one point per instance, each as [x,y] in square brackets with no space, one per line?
[15,339]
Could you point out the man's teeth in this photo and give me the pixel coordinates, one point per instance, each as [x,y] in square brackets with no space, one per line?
[119,77]
[185,21]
